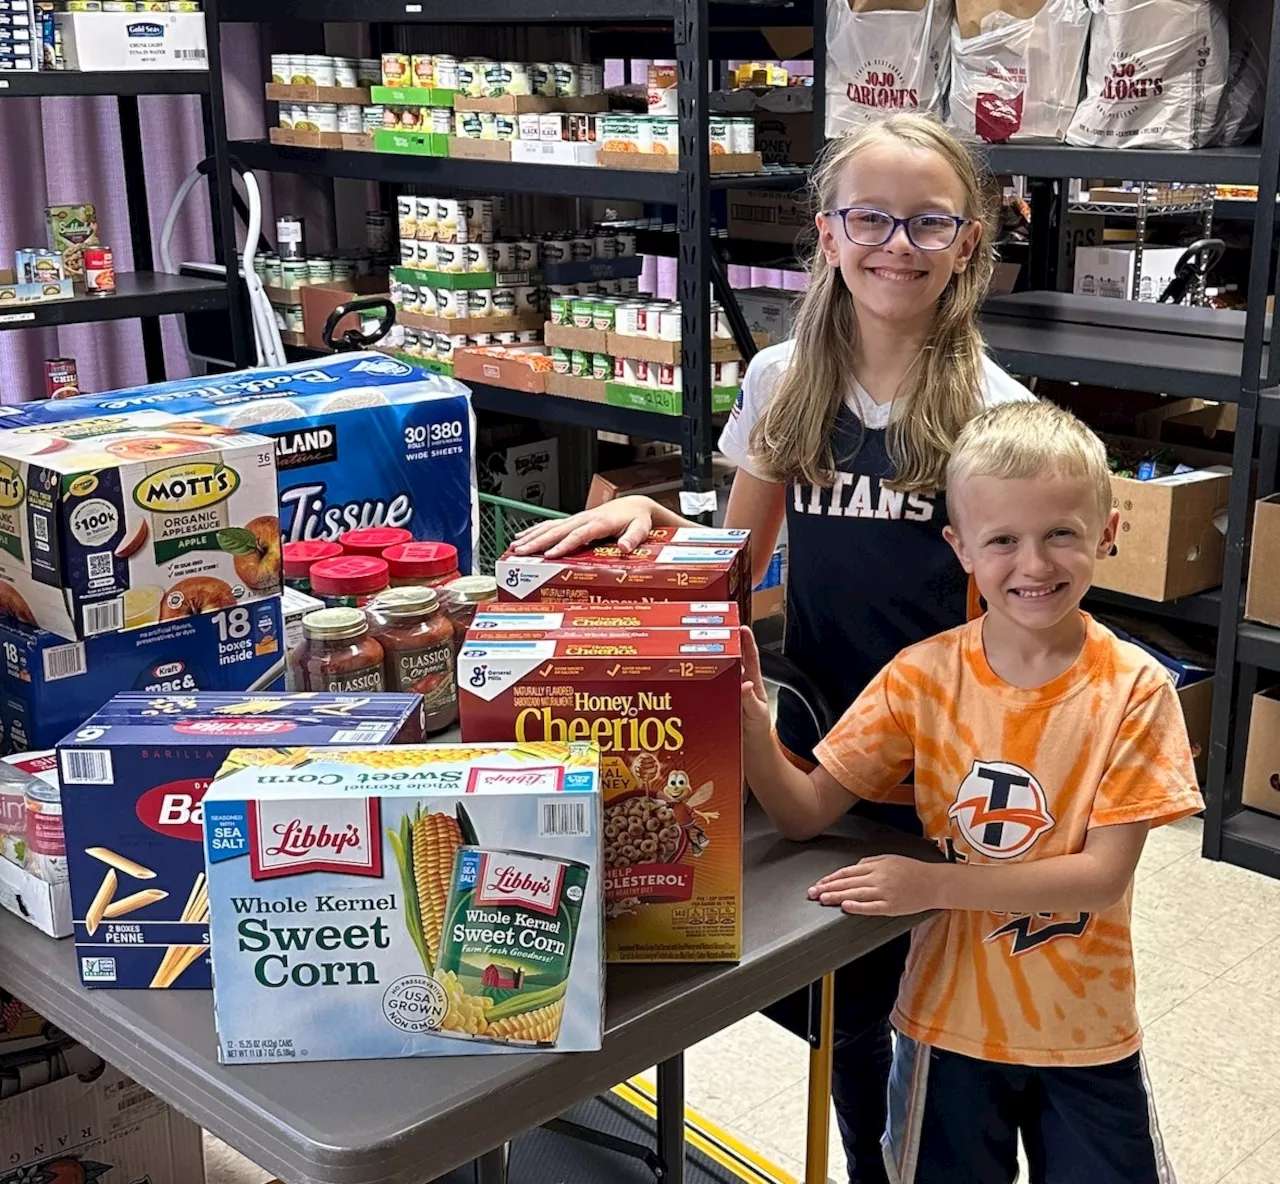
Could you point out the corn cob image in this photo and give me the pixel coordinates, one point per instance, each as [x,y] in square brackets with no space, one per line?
[424,849]
[540,1026]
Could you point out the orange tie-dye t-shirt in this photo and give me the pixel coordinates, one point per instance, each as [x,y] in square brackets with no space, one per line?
[1001,774]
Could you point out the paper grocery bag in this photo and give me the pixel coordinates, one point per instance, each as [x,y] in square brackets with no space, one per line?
[885,56]
[1016,67]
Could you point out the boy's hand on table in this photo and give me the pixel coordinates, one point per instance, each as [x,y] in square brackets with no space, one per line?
[879,886]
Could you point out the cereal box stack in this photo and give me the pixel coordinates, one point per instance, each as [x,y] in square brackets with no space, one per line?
[657,687]
[415,901]
[133,779]
[674,563]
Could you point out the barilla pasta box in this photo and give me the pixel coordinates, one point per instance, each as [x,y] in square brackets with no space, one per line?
[49,685]
[416,901]
[361,440]
[133,781]
[673,563]
[119,523]
[664,706]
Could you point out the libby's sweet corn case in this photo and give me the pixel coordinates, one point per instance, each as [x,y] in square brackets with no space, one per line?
[417,901]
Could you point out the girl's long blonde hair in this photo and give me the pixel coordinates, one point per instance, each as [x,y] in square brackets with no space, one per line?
[792,440]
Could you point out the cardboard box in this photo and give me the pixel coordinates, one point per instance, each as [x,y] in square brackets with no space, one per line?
[664,705]
[464,906]
[784,137]
[770,311]
[535,621]
[133,40]
[527,472]
[133,779]
[661,479]
[1168,544]
[319,300]
[1262,594]
[414,432]
[675,563]
[120,522]
[1261,785]
[98,1126]
[1109,271]
[48,685]
[12,292]
[766,216]
[572,337]
[70,230]
[33,860]
[474,365]
[569,387]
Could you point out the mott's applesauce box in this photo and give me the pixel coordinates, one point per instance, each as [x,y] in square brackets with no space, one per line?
[49,685]
[120,523]
[133,780]
[674,563]
[361,440]
[416,901]
[663,704]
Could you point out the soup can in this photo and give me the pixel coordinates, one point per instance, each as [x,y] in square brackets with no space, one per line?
[625,243]
[442,120]
[449,303]
[411,118]
[527,298]
[423,68]
[561,310]
[425,218]
[503,254]
[542,79]
[582,311]
[427,255]
[718,131]
[582,248]
[451,257]
[368,71]
[410,340]
[602,316]
[320,69]
[396,70]
[350,118]
[479,339]
[507,337]
[407,217]
[556,249]
[730,373]
[427,300]
[446,68]
[528,336]
[281,68]
[345,72]
[504,302]
[479,257]
[506,127]
[471,73]
[371,116]
[606,245]
[529,255]
[669,323]
[391,117]
[479,302]
[742,135]
[601,367]
[426,344]
[664,136]
[99,271]
[590,78]
[324,116]
[488,125]
[624,318]
[653,319]
[479,214]
[409,298]
[467,124]
[567,79]
[580,363]
[408,254]
[449,217]
[561,359]
[668,376]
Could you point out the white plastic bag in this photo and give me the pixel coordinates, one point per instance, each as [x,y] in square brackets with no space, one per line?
[885,56]
[1016,67]
[1156,74]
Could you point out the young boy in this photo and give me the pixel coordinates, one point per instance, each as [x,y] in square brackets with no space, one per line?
[1042,749]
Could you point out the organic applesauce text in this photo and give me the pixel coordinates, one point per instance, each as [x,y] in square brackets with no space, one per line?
[292,954]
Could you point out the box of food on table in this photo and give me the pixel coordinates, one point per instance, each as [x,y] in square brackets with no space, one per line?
[133,779]
[663,702]
[33,854]
[414,901]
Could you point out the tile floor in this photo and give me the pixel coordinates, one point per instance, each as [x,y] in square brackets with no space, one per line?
[1207,938]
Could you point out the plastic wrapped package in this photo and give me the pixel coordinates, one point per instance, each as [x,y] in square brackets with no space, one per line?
[885,56]
[1240,111]
[1156,73]
[1016,67]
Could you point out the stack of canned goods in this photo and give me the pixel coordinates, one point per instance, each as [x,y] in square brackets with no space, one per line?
[291,275]
[487,78]
[583,246]
[659,134]
[318,69]
[447,221]
[439,347]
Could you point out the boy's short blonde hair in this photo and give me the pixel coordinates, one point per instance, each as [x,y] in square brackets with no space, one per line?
[1021,441]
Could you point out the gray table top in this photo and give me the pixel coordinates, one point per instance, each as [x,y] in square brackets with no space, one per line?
[406,1121]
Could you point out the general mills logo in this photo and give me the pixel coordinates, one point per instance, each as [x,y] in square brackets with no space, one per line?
[513,577]
[479,676]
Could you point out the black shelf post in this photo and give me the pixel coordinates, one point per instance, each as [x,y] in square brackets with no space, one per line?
[135,187]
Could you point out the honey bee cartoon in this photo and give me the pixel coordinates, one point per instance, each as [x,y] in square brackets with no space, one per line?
[685,800]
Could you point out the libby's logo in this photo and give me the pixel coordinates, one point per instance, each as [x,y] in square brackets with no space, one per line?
[192,486]
[333,836]
[881,86]
[507,879]
[175,809]
[13,489]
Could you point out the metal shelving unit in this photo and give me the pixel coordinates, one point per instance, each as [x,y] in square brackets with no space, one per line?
[143,293]
[689,23]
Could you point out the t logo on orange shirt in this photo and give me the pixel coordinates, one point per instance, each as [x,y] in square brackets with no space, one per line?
[1001,809]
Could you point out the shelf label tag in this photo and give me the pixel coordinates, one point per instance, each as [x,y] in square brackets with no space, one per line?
[17,317]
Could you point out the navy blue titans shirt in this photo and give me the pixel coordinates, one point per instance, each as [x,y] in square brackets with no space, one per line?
[869,572]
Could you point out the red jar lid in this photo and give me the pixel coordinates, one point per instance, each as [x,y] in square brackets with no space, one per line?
[373,540]
[299,556]
[421,561]
[348,575]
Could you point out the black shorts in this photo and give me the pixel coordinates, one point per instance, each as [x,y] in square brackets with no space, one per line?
[956,1120]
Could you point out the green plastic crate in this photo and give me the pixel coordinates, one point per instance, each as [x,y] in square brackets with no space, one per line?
[501,519]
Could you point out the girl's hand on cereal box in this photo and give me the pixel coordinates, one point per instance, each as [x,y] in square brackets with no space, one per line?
[879,886]
[755,700]
[629,519]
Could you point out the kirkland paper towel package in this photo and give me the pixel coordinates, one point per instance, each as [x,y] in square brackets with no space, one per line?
[1156,74]
[885,56]
[402,902]
[1016,67]
[412,434]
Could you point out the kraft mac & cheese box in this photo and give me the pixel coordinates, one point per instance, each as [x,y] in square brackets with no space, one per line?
[417,901]
[412,435]
[133,781]
[118,523]
[49,685]
[673,563]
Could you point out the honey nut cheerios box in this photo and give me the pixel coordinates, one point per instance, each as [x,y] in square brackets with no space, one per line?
[663,702]
[133,779]
[673,563]
[432,900]
[124,522]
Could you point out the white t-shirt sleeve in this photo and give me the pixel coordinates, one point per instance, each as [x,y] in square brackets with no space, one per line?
[1001,388]
[759,384]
